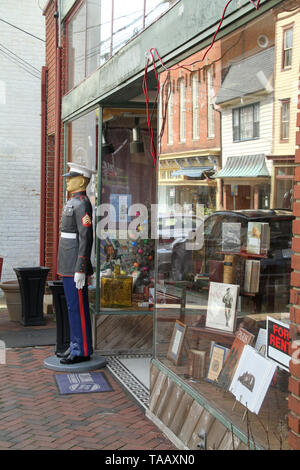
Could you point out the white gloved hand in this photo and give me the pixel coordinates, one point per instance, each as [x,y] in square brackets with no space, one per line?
[79,279]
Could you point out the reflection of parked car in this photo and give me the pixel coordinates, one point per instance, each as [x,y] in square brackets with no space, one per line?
[279,255]
[175,230]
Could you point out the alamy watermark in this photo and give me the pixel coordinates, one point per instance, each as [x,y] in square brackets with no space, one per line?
[136,221]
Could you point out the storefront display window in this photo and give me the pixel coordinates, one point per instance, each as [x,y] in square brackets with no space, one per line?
[223,255]
[126,251]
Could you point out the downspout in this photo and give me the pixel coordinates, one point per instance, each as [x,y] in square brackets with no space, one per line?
[220,183]
[57,144]
[43,163]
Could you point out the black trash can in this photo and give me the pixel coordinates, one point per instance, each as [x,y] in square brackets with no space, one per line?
[32,282]
[62,319]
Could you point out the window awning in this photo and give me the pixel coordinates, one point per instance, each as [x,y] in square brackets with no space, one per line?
[196,172]
[245,166]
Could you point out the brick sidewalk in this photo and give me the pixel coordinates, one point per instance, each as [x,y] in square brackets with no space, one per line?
[33,415]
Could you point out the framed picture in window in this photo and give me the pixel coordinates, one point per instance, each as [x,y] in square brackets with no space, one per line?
[176,342]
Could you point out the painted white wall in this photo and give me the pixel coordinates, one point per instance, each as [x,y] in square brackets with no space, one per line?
[20,131]
[263,145]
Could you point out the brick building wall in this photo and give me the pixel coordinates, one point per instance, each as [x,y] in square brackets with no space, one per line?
[20,108]
[294,381]
[199,68]
[51,156]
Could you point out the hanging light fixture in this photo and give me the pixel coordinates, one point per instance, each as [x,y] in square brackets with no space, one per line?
[106,147]
[136,146]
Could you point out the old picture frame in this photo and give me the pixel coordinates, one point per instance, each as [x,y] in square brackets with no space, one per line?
[222,306]
[217,359]
[176,342]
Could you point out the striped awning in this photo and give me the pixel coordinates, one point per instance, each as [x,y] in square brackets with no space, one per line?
[245,166]
[193,172]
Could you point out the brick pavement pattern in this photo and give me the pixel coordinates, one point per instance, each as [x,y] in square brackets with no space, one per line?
[33,414]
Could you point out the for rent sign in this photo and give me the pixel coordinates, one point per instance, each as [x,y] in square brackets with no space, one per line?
[278,340]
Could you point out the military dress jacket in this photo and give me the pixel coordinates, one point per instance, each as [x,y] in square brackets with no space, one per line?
[76,240]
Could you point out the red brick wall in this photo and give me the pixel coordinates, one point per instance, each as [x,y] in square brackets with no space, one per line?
[183,73]
[51,54]
[51,40]
[243,42]
[294,381]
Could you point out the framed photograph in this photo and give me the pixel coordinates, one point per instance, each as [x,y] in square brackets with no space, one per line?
[176,342]
[217,359]
[222,306]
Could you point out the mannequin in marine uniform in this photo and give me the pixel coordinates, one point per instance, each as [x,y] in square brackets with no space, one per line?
[74,263]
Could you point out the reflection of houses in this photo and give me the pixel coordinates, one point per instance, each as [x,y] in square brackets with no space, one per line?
[246,101]
[187,179]
[286,78]
[190,143]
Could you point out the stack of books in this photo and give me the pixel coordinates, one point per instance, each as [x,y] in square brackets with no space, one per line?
[252,274]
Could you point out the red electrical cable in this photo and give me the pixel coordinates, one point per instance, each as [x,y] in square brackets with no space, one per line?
[255,4]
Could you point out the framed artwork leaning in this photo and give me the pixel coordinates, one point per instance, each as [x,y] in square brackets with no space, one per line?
[222,306]
[217,359]
[176,342]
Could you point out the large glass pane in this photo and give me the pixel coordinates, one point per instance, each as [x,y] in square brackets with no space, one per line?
[155,8]
[82,149]
[127,202]
[93,36]
[223,256]
[128,21]
[105,31]
[76,47]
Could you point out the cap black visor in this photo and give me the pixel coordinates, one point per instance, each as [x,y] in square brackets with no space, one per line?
[71,174]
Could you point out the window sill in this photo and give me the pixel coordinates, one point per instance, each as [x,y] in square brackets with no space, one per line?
[245,140]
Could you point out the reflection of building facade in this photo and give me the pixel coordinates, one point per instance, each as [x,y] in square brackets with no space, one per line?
[286,71]
[246,103]
[190,144]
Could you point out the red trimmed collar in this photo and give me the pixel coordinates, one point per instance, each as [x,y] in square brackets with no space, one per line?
[78,194]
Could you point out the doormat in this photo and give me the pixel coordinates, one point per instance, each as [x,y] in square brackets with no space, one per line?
[28,337]
[90,382]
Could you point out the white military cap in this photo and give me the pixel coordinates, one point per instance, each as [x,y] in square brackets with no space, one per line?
[79,170]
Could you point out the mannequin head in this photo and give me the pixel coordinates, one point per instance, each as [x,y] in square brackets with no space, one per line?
[75,184]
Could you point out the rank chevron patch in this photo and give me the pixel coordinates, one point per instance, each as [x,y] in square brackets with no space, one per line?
[86,220]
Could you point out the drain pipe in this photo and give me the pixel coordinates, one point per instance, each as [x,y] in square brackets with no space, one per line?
[57,144]
[43,163]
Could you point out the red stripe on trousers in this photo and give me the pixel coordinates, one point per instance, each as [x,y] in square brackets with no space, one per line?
[82,318]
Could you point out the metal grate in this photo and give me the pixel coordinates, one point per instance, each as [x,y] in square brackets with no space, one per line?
[127,379]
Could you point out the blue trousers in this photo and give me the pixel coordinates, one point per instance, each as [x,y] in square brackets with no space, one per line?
[79,318]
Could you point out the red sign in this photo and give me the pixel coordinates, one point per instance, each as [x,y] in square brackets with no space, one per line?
[278,340]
